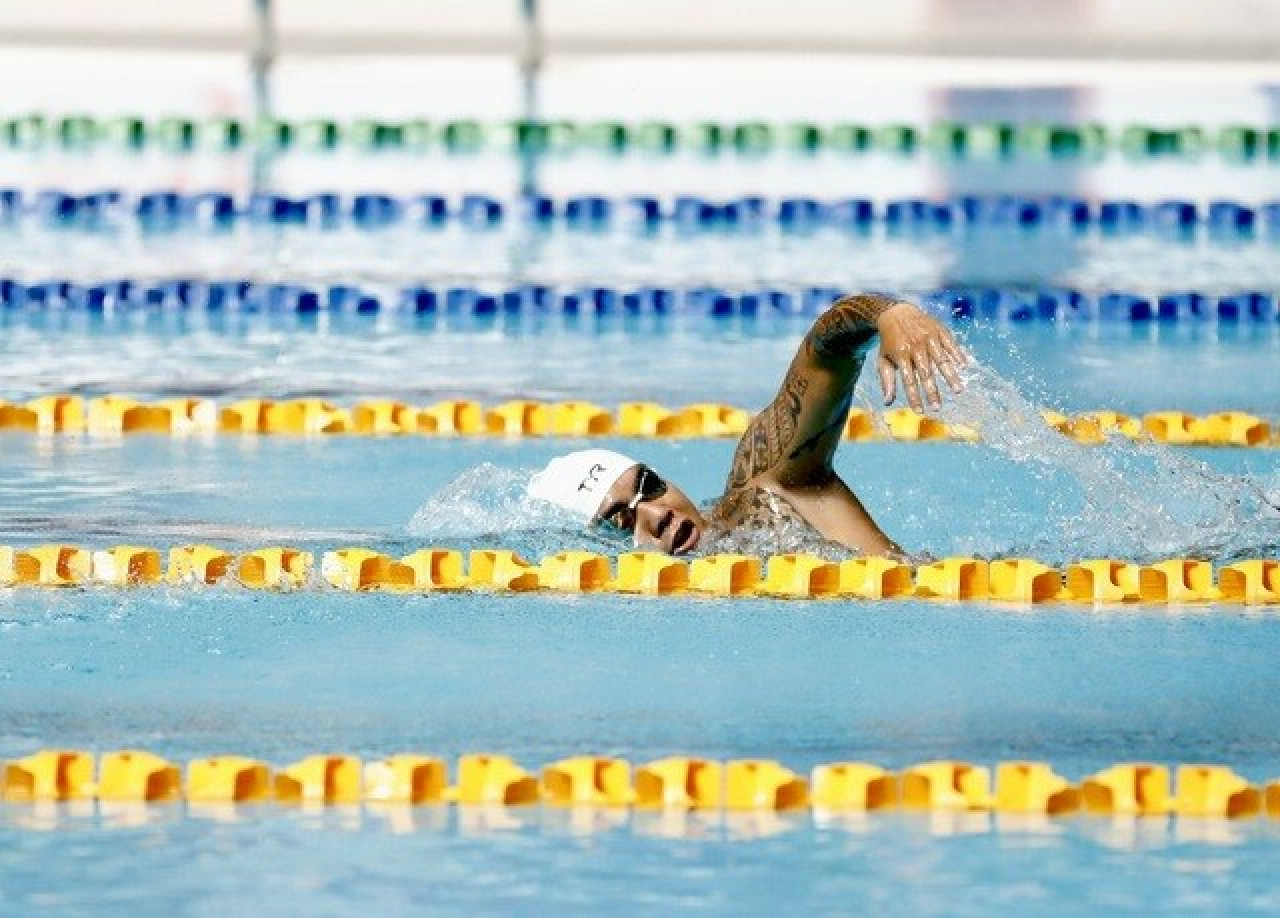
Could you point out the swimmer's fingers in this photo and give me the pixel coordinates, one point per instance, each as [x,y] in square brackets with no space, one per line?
[954,350]
[888,379]
[924,364]
[946,365]
[911,377]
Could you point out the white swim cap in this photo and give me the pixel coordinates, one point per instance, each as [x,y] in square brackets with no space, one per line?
[579,481]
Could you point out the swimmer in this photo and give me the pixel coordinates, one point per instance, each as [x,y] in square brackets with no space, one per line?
[782,472]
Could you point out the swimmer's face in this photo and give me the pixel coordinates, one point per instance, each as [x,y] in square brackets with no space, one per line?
[656,511]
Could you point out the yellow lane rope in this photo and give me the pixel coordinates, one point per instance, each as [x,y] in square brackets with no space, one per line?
[1253,582]
[110,415]
[682,783]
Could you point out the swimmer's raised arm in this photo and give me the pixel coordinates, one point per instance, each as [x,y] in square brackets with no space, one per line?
[792,441]
[782,470]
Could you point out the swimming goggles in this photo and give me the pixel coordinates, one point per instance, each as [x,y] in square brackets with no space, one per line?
[648,487]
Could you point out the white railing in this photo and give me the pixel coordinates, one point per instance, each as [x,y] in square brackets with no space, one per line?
[1224,30]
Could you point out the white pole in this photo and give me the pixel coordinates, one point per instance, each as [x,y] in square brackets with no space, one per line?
[530,69]
[261,57]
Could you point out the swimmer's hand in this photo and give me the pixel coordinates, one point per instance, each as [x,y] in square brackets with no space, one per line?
[916,346]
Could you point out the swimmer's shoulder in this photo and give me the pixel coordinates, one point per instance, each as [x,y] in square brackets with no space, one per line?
[753,504]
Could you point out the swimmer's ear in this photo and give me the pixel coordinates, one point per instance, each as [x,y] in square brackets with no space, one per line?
[888,379]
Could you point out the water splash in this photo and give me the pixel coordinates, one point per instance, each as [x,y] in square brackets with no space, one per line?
[782,536]
[1138,500]
[486,507]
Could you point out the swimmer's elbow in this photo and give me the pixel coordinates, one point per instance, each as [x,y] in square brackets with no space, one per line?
[845,332]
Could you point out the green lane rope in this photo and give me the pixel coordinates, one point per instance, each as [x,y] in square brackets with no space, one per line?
[996,139]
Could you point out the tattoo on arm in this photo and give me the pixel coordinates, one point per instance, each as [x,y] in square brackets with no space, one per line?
[837,422]
[846,329]
[767,439]
[842,334]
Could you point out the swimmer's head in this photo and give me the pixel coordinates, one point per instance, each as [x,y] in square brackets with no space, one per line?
[605,487]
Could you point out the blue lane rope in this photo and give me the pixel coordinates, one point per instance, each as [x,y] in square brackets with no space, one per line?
[124,295]
[170,209]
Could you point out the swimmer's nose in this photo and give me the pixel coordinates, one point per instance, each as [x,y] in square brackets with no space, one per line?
[652,522]
[649,517]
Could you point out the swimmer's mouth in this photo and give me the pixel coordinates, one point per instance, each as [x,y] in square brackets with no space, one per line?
[686,538]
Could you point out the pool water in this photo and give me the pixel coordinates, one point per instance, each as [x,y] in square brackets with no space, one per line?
[184,672]
[1197,368]
[432,863]
[280,677]
[188,672]
[879,257]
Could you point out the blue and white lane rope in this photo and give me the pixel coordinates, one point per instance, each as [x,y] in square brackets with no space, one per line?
[241,295]
[164,208]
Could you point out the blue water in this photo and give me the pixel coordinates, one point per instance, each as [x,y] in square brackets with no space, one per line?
[1059,502]
[189,673]
[428,863]
[878,258]
[1133,368]
[194,672]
